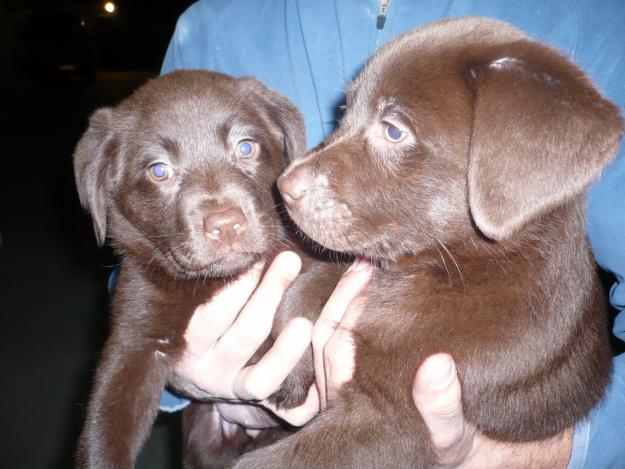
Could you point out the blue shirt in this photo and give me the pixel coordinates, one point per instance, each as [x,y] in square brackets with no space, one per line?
[310,50]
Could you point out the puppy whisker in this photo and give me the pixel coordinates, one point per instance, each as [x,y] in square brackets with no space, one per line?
[453,259]
[167,254]
[165,235]
[444,263]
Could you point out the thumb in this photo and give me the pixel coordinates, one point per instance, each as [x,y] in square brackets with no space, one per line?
[436,393]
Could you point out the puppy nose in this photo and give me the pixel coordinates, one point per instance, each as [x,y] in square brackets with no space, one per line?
[225,224]
[293,186]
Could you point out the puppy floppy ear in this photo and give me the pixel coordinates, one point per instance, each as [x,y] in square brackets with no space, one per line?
[92,159]
[292,124]
[286,115]
[541,133]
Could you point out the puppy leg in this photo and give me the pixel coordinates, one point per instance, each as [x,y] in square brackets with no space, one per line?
[208,441]
[354,435]
[123,404]
[305,298]
[294,388]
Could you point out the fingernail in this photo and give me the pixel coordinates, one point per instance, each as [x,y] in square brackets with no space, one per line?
[442,377]
[359,265]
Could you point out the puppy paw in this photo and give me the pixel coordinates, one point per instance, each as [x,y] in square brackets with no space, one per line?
[294,389]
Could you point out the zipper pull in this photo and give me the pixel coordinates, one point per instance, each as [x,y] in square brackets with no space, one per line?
[382,14]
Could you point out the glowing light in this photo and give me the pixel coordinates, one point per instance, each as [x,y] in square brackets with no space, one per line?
[109,7]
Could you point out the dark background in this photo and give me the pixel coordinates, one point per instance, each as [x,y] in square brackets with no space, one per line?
[58,62]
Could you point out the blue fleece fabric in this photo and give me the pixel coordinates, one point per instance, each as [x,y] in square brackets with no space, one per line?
[309,51]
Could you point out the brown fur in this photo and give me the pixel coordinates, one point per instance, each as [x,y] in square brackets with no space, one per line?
[171,263]
[476,219]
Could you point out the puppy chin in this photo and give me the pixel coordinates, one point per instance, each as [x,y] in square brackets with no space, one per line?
[344,236]
[329,234]
[232,264]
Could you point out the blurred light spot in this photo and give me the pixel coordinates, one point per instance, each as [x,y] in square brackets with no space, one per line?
[109,7]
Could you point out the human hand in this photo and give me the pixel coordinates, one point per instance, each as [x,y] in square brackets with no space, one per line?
[224,334]
[333,347]
[221,341]
[436,393]
[457,443]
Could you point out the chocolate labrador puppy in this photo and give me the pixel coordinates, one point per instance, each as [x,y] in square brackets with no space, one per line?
[181,177]
[460,167]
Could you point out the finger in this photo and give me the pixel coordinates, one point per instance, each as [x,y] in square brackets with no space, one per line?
[348,287]
[436,393]
[262,379]
[339,353]
[246,415]
[211,319]
[253,324]
[303,413]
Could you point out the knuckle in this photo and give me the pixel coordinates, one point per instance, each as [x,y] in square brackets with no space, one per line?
[337,351]
[332,347]
[284,281]
[323,328]
[247,342]
[320,340]
[447,410]
[451,446]
[327,364]
[340,340]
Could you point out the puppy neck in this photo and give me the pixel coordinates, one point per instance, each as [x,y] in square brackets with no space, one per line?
[410,262]
[557,238]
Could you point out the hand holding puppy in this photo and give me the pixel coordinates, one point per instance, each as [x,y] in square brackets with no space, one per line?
[224,333]
[217,338]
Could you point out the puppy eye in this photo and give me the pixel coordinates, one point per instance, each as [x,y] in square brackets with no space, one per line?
[160,171]
[393,134]
[246,149]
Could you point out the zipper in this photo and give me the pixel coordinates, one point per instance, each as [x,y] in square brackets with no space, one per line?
[381,19]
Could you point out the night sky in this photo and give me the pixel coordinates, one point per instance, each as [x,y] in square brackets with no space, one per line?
[54,305]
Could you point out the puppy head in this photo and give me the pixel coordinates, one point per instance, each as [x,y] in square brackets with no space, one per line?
[461,129]
[181,173]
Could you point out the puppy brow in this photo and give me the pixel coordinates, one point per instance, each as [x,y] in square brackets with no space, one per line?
[150,150]
[223,131]
[394,112]
[239,129]
[170,146]
[390,105]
